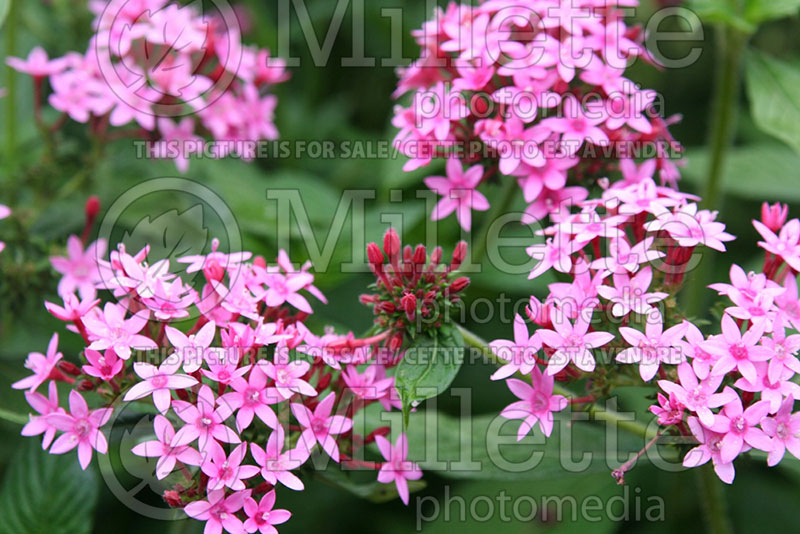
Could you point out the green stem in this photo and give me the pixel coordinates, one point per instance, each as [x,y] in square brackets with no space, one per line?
[500,206]
[12,417]
[731,44]
[11,83]
[713,501]
[598,412]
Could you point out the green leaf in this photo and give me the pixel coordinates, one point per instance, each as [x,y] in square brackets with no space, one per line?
[721,12]
[756,172]
[774,90]
[429,366]
[5,7]
[758,11]
[371,490]
[44,493]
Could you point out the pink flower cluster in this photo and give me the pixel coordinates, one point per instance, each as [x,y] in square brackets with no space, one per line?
[533,91]
[151,62]
[240,399]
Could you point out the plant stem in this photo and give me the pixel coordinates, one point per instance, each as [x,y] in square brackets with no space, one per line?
[12,417]
[11,83]
[731,44]
[501,205]
[713,501]
[599,413]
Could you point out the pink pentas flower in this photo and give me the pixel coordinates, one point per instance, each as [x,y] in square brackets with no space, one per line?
[437,108]
[227,471]
[219,512]
[262,515]
[37,64]
[81,429]
[192,348]
[710,448]
[653,347]
[288,376]
[276,464]
[572,343]
[577,125]
[251,397]
[736,350]
[284,288]
[698,396]
[205,422]
[631,293]
[555,253]
[537,403]
[739,428]
[366,385]
[104,366]
[158,382]
[178,141]
[110,329]
[669,411]
[784,349]
[702,360]
[458,192]
[786,244]
[73,309]
[784,429]
[520,353]
[320,426]
[690,227]
[79,269]
[773,391]
[223,365]
[162,448]
[397,468]
[624,258]
[43,366]
[44,406]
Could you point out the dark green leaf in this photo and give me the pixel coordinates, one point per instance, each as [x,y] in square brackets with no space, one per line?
[774,90]
[429,366]
[5,7]
[758,11]
[721,12]
[45,494]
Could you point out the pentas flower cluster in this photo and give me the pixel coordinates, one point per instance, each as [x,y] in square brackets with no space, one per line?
[240,398]
[166,73]
[730,392]
[413,292]
[533,91]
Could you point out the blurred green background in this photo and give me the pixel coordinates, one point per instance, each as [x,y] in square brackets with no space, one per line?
[335,103]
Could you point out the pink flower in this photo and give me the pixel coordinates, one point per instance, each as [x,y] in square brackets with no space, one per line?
[73,308]
[41,365]
[277,466]
[44,406]
[104,366]
[774,392]
[397,468]
[111,330]
[520,353]
[556,252]
[204,422]
[37,64]
[261,516]
[784,429]
[537,403]
[458,193]
[785,244]
[736,350]
[219,512]
[288,376]
[709,449]
[81,429]
[783,350]
[577,126]
[223,365]
[192,348]
[367,385]
[250,398]
[653,347]
[702,361]
[320,426]
[79,269]
[699,397]
[631,293]
[624,258]
[284,288]
[228,471]
[158,381]
[162,449]
[738,427]
[669,410]
[572,343]
[436,108]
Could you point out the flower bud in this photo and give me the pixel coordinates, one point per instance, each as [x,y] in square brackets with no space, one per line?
[396,342]
[409,303]
[259,261]
[173,499]
[420,254]
[459,254]
[391,243]
[374,254]
[92,208]
[774,216]
[69,368]
[459,284]
[213,271]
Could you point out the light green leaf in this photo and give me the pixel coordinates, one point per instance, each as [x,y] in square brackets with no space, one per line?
[757,172]
[429,366]
[774,90]
[758,11]
[44,494]
[721,12]
[5,7]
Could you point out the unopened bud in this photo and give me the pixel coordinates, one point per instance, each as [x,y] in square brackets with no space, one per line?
[459,254]
[459,284]
[391,243]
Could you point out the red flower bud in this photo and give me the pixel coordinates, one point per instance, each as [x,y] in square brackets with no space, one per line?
[69,368]
[420,254]
[774,216]
[213,271]
[459,254]
[391,243]
[436,256]
[459,284]
[92,208]
[85,385]
[409,302]
[173,499]
[396,341]
[259,261]
[374,254]
[324,382]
